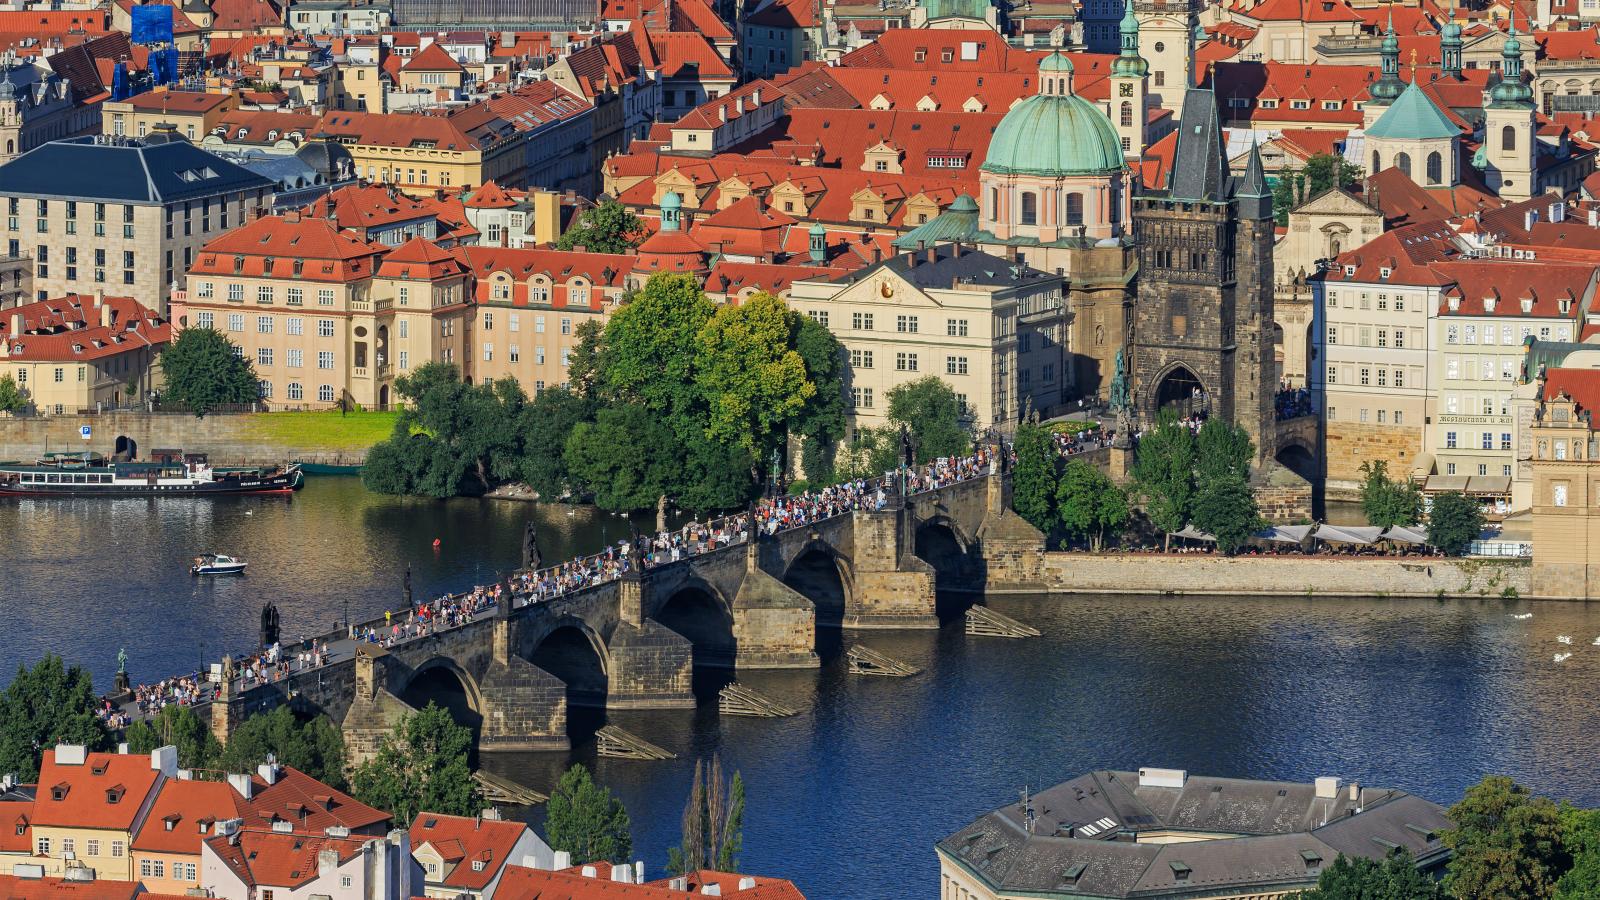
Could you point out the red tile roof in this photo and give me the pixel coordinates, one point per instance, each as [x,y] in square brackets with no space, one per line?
[420,259]
[308,803]
[572,884]
[13,887]
[245,15]
[183,814]
[68,329]
[464,841]
[329,254]
[432,58]
[369,206]
[177,101]
[261,857]
[520,264]
[1509,282]
[1582,385]
[16,826]
[1311,11]
[105,792]
[491,196]
[397,130]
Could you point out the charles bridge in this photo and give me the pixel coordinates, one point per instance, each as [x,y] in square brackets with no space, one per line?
[634,642]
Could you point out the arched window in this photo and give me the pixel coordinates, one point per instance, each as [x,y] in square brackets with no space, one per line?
[1074,209]
[1508,138]
[1435,168]
[1402,161]
[1127,114]
[994,203]
[1375,168]
[1030,208]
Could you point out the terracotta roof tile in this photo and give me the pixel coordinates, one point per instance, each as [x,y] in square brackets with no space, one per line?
[466,840]
[106,791]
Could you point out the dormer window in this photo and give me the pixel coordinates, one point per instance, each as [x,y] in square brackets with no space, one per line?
[1349,271]
[1385,272]
[238,264]
[1565,306]
[479,865]
[98,768]
[1180,870]
[114,794]
[1527,304]
[59,792]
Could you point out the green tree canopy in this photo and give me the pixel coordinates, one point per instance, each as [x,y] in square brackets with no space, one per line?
[11,399]
[1163,473]
[315,746]
[204,370]
[821,422]
[1580,836]
[650,351]
[421,767]
[1387,502]
[1226,509]
[548,421]
[1395,877]
[608,228]
[936,418]
[1090,503]
[1222,450]
[1321,172]
[1506,843]
[1033,479]
[46,705]
[448,432]
[1454,523]
[583,819]
[754,380]
[628,457]
[180,727]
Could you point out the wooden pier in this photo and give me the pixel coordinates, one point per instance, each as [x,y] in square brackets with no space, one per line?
[738,700]
[981,620]
[614,742]
[866,661]
[499,789]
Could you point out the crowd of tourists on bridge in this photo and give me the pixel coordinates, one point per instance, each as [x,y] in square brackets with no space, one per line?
[1096,437]
[1292,403]
[451,611]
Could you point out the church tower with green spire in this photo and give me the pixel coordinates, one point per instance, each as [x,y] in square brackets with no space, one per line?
[1130,102]
[1450,47]
[1387,88]
[1510,151]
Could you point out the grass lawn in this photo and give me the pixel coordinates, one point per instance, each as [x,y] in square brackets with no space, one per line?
[321,430]
[1071,426]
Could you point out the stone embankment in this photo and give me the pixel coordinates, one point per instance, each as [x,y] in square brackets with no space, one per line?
[1201,574]
[233,439]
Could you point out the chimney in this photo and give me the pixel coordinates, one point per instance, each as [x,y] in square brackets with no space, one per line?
[165,760]
[680,883]
[242,784]
[70,754]
[747,883]
[590,872]
[755,96]
[638,871]
[955,250]
[327,862]
[877,254]
[1558,210]
[1528,218]
[738,104]
[561,860]
[933,254]
[711,890]
[105,311]
[1327,788]
[268,771]
[16,320]
[1594,217]
[1162,778]
[1355,792]
[623,874]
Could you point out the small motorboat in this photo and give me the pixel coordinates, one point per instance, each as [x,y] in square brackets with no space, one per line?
[217,564]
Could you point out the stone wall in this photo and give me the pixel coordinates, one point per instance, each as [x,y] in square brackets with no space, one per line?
[1349,444]
[226,439]
[1275,575]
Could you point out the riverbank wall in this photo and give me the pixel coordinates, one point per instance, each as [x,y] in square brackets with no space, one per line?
[227,439]
[1199,574]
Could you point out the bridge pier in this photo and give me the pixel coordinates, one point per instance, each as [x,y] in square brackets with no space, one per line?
[651,667]
[524,708]
[1012,549]
[893,588]
[774,626]
[374,711]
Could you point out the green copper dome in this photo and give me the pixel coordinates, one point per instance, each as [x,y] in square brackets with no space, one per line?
[1054,133]
[1129,64]
[1413,117]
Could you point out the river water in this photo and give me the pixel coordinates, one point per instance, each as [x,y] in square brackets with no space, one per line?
[848,797]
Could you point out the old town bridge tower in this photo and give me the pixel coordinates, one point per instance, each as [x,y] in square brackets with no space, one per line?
[1203,320]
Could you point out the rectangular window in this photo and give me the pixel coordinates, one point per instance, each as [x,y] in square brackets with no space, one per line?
[68,845]
[325,297]
[324,359]
[488,321]
[515,353]
[235,322]
[264,293]
[116,848]
[861,398]
[1333,374]
[294,325]
[514,322]
[861,359]
[1505,440]
[263,356]
[405,360]
[204,320]
[820,316]
[1487,441]
[263,324]
[957,365]
[145,869]
[861,321]
[295,297]
[1366,376]
[294,358]
[93,848]
[324,328]
[1383,337]
[1383,378]
[956,327]
[235,293]
[538,324]
[1333,334]
[905,324]
[905,362]
[488,352]
[1399,338]
[1450,440]
[405,331]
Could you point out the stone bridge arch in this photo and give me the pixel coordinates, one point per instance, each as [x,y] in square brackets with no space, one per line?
[942,542]
[442,681]
[701,613]
[569,649]
[822,574]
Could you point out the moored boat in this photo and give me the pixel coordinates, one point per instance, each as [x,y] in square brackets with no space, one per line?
[167,474]
[216,564]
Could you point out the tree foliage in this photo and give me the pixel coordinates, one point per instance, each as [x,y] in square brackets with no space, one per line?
[1321,172]
[1506,843]
[753,378]
[935,417]
[1388,502]
[583,819]
[821,422]
[1454,523]
[421,767]
[1034,477]
[46,705]
[546,425]
[608,228]
[1163,472]
[1395,877]
[11,399]
[1580,836]
[450,432]
[1090,503]
[204,370]
[627,457]
[713,822]
[180,727]
[315,746]
[1223,504]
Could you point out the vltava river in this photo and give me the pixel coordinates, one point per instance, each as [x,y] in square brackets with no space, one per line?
[848,797]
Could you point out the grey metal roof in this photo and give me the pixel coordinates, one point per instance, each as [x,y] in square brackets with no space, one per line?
[126,172]
[1200,169]
[944,265]
[1274,836]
